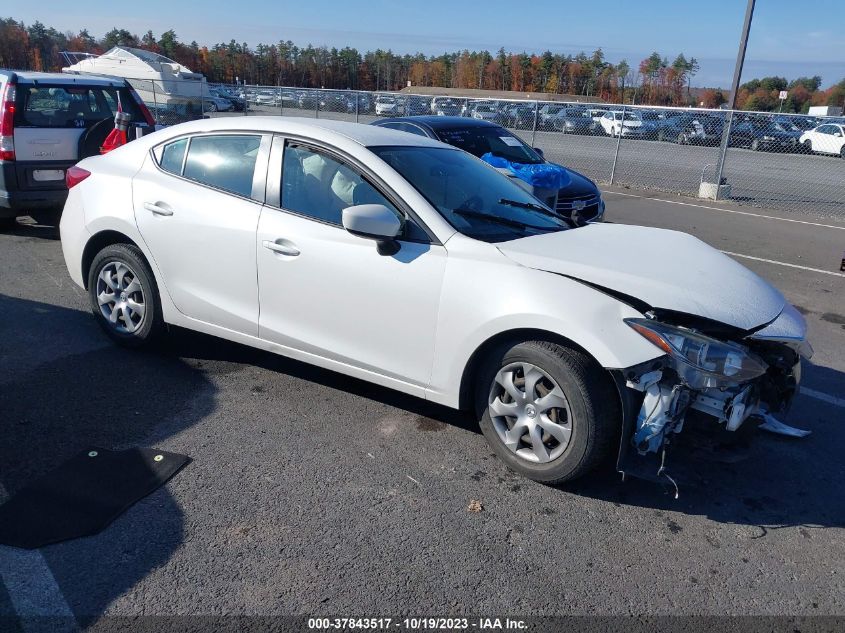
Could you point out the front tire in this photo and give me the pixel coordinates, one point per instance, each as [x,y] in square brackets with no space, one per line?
[549,412]
[124,296]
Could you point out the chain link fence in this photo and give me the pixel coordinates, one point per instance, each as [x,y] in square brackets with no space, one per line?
[771,160]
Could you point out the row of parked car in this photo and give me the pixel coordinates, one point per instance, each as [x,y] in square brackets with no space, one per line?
[755,131]
[759,132]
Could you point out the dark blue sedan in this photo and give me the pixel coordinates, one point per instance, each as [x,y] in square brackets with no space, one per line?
[580,200]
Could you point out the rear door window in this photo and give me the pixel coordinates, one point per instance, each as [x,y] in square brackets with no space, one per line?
[225,162]
[68,106]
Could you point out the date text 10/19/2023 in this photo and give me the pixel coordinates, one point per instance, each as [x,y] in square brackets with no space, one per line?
[417,624]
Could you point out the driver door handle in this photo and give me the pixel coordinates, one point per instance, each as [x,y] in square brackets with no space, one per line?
[282,247]
[158,208]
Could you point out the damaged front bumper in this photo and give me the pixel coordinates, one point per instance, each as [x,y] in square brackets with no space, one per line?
[724,383]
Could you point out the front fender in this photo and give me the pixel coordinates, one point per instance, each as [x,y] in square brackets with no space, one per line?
[484,299]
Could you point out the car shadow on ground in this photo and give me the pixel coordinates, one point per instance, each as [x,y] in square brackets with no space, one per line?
[27,227]
[771,481]
[62,394]
[775,482]
[188,344]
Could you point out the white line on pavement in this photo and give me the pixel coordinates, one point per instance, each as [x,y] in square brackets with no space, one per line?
[33,590]
[754,215]
[818,395]
[772,261]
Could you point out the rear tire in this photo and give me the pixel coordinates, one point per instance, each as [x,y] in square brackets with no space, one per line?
[557,418]
[8,223]
[808,146]
[124,296]
[842,152]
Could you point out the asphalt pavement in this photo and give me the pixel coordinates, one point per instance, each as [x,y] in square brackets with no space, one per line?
[314,494]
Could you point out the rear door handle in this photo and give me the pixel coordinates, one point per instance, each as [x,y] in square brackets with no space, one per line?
[158,209]
[282,247]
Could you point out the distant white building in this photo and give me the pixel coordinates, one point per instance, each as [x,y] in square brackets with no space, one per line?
[825,111]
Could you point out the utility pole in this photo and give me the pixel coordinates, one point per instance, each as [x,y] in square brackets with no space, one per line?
[740,60]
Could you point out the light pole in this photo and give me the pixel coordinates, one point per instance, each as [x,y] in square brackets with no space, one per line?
[740,60]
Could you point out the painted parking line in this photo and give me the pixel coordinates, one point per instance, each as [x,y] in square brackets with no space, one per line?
[723,210]
[777,263]
[33,591]
[818,395]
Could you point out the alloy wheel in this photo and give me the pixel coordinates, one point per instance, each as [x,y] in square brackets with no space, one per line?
[121,297]
[530,413]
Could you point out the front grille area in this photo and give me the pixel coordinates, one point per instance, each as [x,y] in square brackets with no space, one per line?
[565,205]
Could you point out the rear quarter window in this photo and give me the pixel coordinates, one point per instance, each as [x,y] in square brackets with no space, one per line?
[173,155]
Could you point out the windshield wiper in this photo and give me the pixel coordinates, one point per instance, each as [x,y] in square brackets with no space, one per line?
[472,213]
[531,206]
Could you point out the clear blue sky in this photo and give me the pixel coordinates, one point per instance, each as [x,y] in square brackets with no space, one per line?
[788,37]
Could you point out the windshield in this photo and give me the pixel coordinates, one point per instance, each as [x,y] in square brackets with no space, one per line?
[472,196]
[147,56]
[490,139]
[803,124]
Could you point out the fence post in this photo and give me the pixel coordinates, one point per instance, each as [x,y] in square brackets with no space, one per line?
[534,127]
[317,106]
[155,102]
[723,151]
[202,99]
[618,141]
[281,102]
[357,101]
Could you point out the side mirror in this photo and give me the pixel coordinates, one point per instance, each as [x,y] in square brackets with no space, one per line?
[539,151]
[376,222]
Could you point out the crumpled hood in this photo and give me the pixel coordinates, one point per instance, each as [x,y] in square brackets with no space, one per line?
[665,269]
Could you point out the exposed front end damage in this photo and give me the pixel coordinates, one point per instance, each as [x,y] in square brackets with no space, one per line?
[736,379]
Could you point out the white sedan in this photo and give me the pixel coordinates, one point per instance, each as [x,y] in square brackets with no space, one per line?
[411,264]
[616,123]
[828,138]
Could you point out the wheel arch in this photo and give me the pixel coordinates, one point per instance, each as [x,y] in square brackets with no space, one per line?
[513,336]
[98,242]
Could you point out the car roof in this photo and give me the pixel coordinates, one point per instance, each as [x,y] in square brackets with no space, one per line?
[366,135]
[26,76]
[435,122]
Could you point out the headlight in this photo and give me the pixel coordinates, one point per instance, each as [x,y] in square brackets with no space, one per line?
[701,361]
[768,138]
